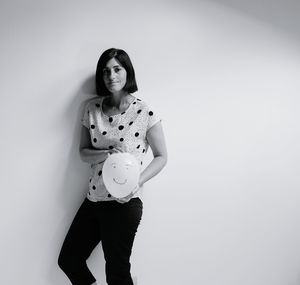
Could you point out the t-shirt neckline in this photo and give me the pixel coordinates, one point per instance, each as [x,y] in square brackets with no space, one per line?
[131,103]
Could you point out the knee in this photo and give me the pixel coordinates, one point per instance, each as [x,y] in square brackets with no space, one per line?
[66,263]
[70,263]
[62,262]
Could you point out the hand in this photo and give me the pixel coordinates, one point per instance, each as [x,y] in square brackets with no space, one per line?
[115,150]
[103,155]
[111,151]
[125,199]
[128,197]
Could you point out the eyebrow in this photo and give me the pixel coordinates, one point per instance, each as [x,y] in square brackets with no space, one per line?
[112,67]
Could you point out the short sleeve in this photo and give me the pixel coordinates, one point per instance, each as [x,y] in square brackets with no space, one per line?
[153,118]
[85,117]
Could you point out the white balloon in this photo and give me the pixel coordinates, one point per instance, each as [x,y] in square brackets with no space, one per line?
[120,174]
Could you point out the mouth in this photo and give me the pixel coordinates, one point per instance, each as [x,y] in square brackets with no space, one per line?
[120,183]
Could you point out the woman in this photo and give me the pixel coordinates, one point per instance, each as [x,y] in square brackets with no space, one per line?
[114,121]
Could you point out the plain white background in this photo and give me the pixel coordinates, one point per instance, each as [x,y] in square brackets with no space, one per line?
[224,77]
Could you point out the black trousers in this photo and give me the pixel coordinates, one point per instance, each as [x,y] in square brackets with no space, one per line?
[112,223]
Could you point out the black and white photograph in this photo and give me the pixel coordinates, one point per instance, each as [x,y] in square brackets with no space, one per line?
[150,142]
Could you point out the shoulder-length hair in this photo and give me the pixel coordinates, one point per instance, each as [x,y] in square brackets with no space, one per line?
[122,57]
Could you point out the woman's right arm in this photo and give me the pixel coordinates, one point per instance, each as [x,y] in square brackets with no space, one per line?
[87,152]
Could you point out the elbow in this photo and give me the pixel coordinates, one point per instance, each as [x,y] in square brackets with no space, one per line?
[165,157]
[163,160]
[81,154]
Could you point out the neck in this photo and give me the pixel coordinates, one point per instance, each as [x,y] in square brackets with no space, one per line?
[116,99]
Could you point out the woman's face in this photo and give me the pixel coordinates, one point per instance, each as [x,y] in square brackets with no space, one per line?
[114,76]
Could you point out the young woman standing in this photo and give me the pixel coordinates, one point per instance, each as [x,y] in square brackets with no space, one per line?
[114,121]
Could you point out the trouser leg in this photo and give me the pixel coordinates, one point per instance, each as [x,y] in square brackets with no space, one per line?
[82,237]
[118,236]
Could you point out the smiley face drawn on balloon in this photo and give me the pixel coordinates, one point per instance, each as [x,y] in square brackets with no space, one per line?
[120,183]
[120,174]
[121,171]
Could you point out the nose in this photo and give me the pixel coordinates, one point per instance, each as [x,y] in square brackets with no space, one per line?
[112,75]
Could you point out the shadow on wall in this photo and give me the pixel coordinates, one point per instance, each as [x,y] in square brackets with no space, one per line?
[75,185]
[280,14]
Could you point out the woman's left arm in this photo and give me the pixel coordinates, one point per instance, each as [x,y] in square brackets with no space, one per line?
[156,140]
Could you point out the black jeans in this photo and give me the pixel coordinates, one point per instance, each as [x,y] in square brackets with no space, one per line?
[112,223]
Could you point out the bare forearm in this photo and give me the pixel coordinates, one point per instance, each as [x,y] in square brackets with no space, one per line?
[154,167]
[90,155]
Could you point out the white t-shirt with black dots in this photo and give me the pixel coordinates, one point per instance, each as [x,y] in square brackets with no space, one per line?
[126,131]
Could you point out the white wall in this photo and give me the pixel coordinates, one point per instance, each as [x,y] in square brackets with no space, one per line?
[224,76]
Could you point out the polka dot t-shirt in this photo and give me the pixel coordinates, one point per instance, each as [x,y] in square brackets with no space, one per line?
[126,131]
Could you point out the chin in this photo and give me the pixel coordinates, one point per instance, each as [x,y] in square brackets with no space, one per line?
[114,90]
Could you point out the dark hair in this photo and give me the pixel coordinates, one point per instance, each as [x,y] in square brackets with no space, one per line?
[122,57]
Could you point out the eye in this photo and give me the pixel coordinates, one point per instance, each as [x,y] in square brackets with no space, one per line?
[117,69]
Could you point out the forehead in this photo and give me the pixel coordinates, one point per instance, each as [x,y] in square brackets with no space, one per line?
[112,63]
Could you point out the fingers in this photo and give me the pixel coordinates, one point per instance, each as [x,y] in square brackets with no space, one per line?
[115,150]
[126,199]
[122,200]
